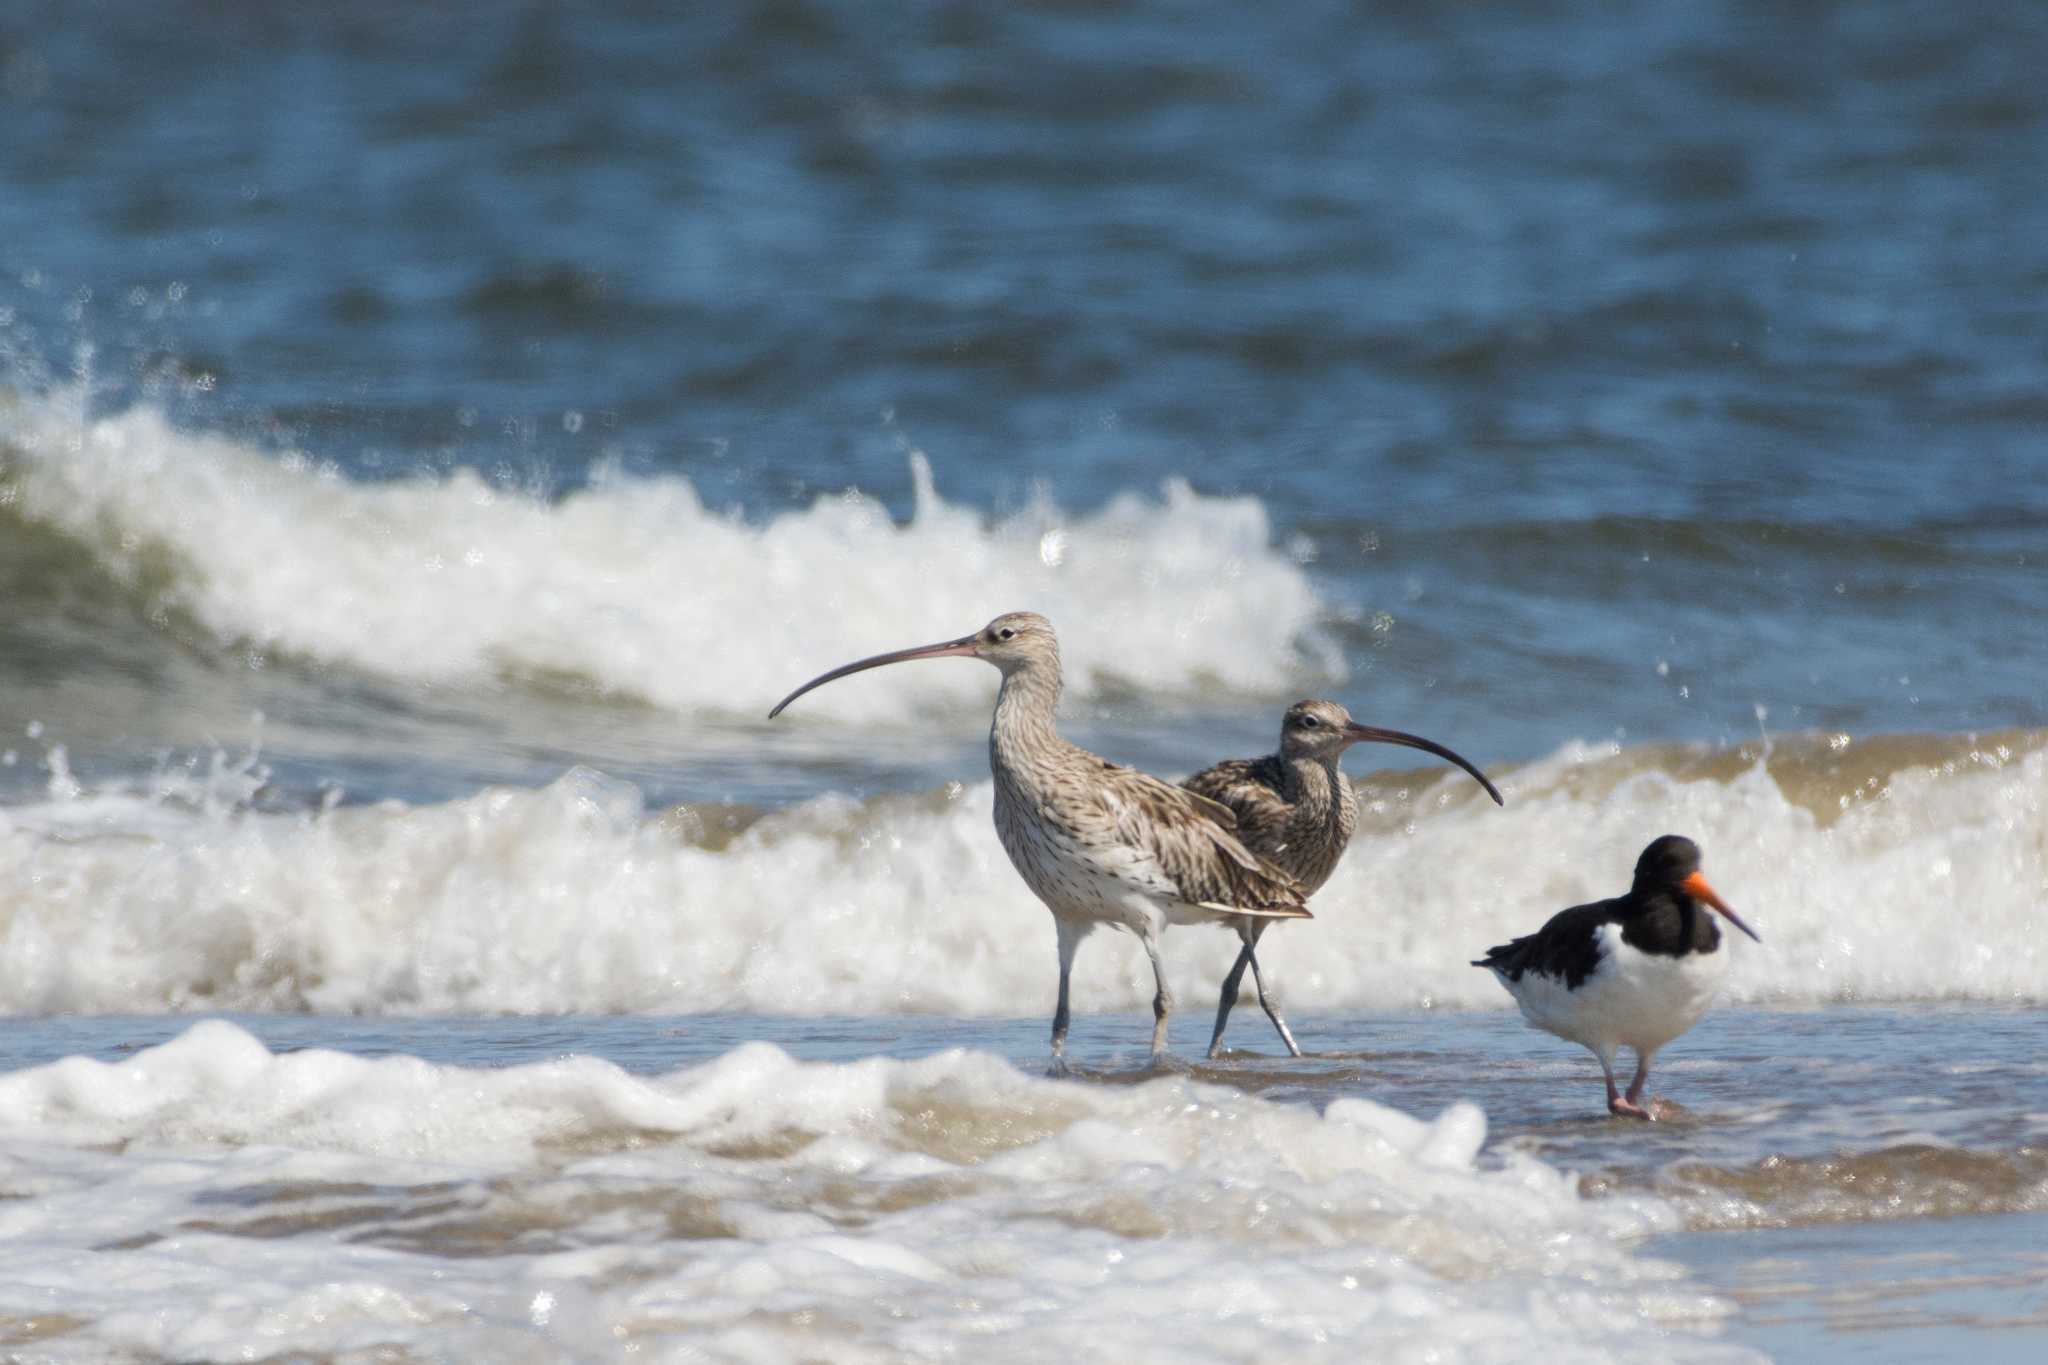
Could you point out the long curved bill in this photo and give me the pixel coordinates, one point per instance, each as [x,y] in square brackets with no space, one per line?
[1696,887]
[1376,735]
[964,645]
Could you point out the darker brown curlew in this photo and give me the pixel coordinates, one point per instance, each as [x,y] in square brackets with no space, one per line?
[1296,809]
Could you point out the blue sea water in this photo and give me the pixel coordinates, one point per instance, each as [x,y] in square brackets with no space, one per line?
[1608,370]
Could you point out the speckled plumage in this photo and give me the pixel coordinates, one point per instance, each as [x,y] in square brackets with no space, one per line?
[1097,842]
[1064,814]
[1297,809]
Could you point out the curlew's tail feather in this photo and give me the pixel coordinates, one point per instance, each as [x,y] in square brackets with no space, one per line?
[1264,912]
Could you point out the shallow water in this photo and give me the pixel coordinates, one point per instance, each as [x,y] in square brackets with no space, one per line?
[1850,1179]
[1974,1282]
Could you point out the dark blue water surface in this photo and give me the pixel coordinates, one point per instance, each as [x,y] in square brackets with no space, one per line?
[1573,337]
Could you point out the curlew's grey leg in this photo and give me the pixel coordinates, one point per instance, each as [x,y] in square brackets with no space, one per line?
[1162,1002]
[1249,930]
[1267,1005]
[1069,940]
[1244,957]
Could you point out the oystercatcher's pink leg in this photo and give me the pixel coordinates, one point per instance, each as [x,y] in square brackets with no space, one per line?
[1654,1108]
[1617,1104]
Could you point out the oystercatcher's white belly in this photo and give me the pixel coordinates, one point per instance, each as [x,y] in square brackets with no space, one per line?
[1632,998]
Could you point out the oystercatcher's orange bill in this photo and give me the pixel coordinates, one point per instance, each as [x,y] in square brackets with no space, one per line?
[1696,887]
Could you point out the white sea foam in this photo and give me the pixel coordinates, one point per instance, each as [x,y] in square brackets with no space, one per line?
[576,898]
[208,1199]
[634,585]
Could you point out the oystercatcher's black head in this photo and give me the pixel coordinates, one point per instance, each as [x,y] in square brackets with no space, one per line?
[1666,863]
[1672,865]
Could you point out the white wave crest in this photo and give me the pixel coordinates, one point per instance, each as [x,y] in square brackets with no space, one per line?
[208,1193]
[574,898]
[634,585]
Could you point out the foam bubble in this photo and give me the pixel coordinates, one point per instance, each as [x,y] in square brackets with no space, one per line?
[206,1194]
[634,585]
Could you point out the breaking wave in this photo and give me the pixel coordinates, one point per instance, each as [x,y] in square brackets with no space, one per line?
[633,587]
[1905,869]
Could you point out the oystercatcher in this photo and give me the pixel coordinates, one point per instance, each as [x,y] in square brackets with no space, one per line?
[1637,970]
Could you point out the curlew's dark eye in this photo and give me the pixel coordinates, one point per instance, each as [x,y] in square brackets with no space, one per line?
[1309,722]
[1006,632]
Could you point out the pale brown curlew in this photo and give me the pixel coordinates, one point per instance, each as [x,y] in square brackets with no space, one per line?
[1097,842]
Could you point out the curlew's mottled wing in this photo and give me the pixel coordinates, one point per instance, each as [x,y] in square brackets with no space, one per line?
[1306,836]
[1183,835]
[1250,789]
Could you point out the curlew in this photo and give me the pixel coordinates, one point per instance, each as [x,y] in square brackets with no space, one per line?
[1295,808]
[1097,842]
[1634,971]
